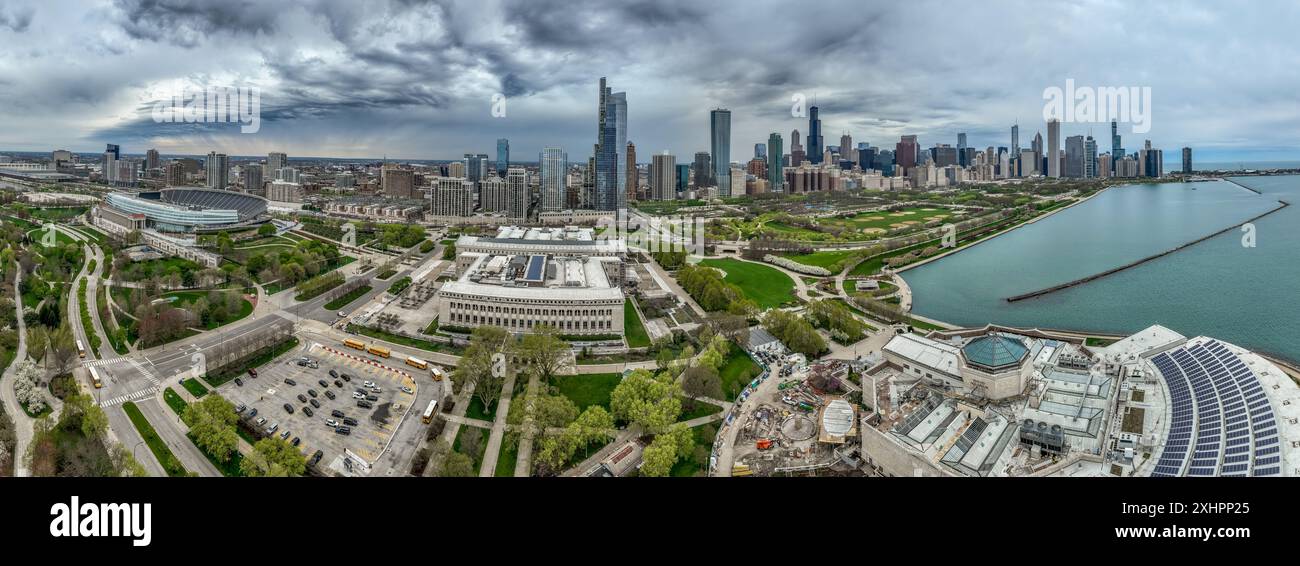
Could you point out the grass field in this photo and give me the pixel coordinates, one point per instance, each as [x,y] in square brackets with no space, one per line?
[737,372]
[633,330]
[588,389]
[766,286]
[194,387]
[822,259]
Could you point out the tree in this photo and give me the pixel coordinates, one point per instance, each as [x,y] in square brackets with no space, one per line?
[273,457]
[701,381]
[480,365]
[544,351]
[651,401]
[265,229]
[457,465]
[660,456]
[64,348]
[212,424]
[38,342]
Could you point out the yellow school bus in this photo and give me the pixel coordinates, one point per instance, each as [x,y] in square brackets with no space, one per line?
[354,344]
[417,363]
[378,351]
[427,417]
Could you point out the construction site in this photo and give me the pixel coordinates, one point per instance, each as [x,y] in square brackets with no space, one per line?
[797,420]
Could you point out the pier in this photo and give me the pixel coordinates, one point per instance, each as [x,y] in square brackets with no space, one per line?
[1096,276]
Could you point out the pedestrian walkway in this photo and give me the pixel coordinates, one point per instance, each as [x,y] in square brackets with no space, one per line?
[138,395]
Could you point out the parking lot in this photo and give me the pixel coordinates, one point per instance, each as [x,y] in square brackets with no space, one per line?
[285,380]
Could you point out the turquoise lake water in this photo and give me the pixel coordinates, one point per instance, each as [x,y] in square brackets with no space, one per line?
[1248,296]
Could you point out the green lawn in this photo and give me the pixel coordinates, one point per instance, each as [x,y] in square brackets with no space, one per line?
[477,457]
[506,460]
[347,299]
[822,259]
[174,401]
[737,372]
[475,410]
[633,330]
[766,286]
[155,443]
[587,389]
[701,409]
[194,387]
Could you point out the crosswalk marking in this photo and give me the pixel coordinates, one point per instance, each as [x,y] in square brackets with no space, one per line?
[138,395]
[148,374]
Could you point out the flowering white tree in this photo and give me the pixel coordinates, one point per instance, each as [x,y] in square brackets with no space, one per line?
[795,266]
[27,387]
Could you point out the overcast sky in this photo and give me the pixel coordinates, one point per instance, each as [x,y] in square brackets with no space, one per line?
[414,80]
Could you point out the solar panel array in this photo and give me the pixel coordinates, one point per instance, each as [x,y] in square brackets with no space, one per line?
[1221,420]
[248,206]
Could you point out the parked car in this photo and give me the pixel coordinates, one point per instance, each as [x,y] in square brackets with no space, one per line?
[408,390]
[302,398]
[374,398]
[291,382]
[358,395]
[346,377]
[338,384]
[241,408]
[239,382]
[369,384]
[323,383]
[329,394]
[364,404]
[284,435]
[261,421]
[314,403]
[271,429]
[252,413]
[331,423]
[334,373]
[349,421]
[315,458]
[288,408]
[376,389]
[296,441]
[337,413]
[311,392]
[252,373]
[343,430]
[307,410]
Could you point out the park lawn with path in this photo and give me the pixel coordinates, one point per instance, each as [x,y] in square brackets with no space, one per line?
[194,387]
[183,299]
[633,330]
[768,287]
[506,459]
[823,259]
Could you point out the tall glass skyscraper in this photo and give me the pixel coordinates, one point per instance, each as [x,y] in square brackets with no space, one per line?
[555,173]
[503,156]
[775,176]
[610,151]
[815,148]
[720,149]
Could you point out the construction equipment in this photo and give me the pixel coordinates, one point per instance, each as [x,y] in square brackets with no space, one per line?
[763,443]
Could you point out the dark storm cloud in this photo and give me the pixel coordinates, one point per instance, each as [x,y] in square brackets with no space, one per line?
[187,23]
[415,78]
[17,19]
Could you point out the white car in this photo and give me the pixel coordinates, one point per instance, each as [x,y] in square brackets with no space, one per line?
[376,389]
[369,384]
[407,390]
[331,423]
[358,395]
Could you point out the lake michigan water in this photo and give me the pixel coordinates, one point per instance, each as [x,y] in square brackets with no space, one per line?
[1246,295]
